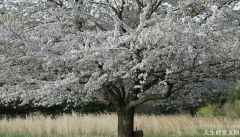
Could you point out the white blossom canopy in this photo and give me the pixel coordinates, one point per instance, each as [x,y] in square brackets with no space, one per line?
[109,51]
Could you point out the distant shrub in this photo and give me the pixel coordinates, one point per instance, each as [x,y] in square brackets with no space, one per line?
[232,110]
[233,96]
[207,111]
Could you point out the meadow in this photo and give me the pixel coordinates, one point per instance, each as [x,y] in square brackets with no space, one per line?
[77,124]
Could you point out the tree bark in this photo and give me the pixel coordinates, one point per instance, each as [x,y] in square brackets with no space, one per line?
[126,122]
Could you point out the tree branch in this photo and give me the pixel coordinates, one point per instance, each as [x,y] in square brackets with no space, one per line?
[59,3]
[181,86]
[150,97]
[113,8]
[101,27]
[194,60]
[117,90]
[152,83]
[119,14]
[154,9]
[140,4]
[112,96]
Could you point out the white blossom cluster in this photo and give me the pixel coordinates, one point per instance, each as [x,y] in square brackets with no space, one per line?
[56,50]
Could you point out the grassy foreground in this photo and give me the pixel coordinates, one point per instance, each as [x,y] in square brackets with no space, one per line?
[105,125]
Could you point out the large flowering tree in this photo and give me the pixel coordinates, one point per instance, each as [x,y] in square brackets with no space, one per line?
[115,52]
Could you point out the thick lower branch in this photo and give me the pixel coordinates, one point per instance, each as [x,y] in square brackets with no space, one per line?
[147,98]
[117,90]
[118,103]
[133,103]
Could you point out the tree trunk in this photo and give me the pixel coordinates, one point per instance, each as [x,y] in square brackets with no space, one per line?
[126,122]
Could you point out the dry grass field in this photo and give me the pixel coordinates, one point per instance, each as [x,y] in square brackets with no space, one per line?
[106,124]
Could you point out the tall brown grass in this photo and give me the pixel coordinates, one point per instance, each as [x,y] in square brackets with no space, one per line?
[107,124]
